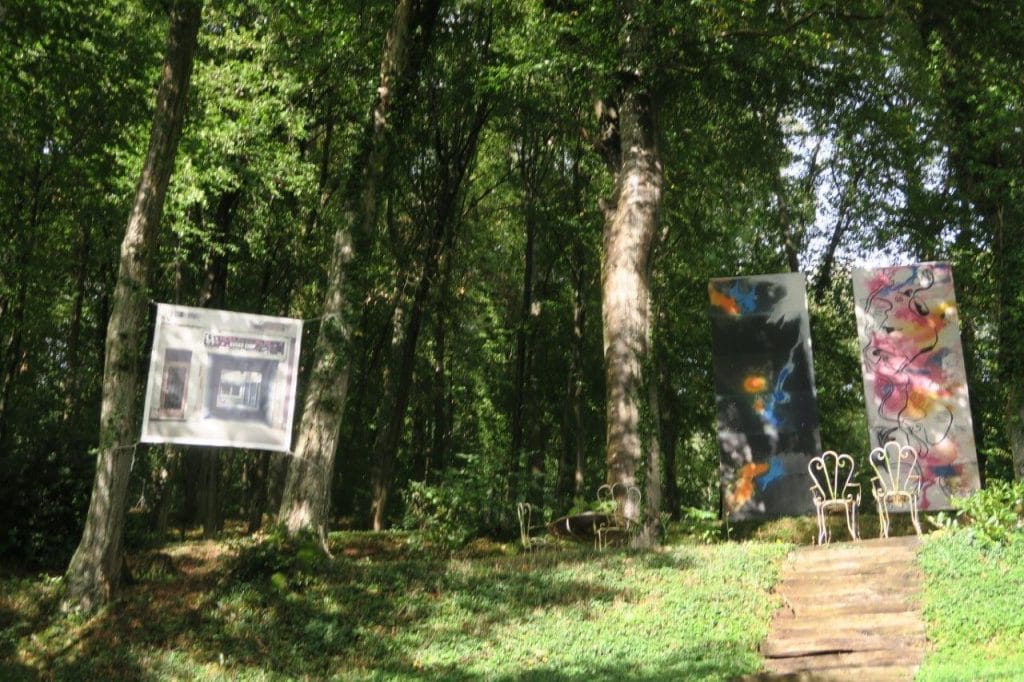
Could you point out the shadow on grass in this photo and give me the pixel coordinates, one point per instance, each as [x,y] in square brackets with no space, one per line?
[369,613]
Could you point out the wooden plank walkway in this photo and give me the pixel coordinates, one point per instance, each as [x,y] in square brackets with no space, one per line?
[851,611]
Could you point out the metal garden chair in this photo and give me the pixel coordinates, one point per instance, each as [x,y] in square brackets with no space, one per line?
[897,483]
[622,504]
[833,490]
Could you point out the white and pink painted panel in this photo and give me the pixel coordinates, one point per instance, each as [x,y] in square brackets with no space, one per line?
[915,385]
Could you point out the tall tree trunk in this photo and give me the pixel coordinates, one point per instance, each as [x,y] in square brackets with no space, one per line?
[305,499]
[522,334]
[438,251]
[256,475]
[213,294]
[669,432]
[439,384]
[629,232]
[94,574]
[579,321]
[650,535]
[75,332]
[396,400]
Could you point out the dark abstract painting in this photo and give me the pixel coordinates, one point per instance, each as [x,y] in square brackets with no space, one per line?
[915,385]
[764,393]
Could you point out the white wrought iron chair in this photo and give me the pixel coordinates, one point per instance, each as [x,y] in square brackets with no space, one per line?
[897,483]
[833,490]
[622,503]
[524,510]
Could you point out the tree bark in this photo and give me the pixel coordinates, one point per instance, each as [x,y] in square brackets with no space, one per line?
[629,232]
[94,574]
[522,331]
[305,500]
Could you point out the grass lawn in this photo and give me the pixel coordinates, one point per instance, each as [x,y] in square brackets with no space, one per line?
[974,608]
[384,610]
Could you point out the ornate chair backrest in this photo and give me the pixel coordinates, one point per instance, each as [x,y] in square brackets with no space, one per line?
[620,500]
[896,469]
[831,474]
[524,510]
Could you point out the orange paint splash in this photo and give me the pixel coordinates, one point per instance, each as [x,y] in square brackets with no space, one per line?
[725,302]
[744,489]
[755,383]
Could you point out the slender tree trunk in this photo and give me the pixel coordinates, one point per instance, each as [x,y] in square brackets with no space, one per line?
[650,536]
[75,333]
[94,574]
[522,335]
[441,409]
[305,499]
[396,401]
[438,251]
[256,473]
[629,232]
[579,320]
[669,432]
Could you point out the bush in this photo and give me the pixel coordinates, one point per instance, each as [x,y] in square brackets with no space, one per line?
[463,505]
[993,516]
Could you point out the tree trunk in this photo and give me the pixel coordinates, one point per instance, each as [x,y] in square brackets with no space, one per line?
[650,535]
[396,400]
[94,574]
[75,333]
[304,503]
[629,232]
[522,336]
[669,432]
[458,157]
[439,388]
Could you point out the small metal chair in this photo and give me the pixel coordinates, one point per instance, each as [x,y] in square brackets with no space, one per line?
[524,510]
[897,483]
[832,490]
[623,505]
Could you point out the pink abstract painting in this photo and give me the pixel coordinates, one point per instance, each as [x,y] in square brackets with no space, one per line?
[915,385]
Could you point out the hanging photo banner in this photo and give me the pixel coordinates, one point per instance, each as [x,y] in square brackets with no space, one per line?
[764,394]
[222,379]
[915,385]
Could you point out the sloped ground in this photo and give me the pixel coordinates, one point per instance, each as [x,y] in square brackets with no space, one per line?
[851,611]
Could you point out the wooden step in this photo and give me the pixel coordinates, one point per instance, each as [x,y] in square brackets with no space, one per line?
[848,567]
[908,624]
[786,620]
[886,673]
[857,660]
[803,608]
[830,557]
[828,643]
[826,593]
[903,579]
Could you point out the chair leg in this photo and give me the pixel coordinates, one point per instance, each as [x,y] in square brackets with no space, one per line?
[883,520]
[913,516]
[822,527]
[851,520]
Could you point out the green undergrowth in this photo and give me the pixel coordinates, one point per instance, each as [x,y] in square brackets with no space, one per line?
[383,608]
[974,609]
